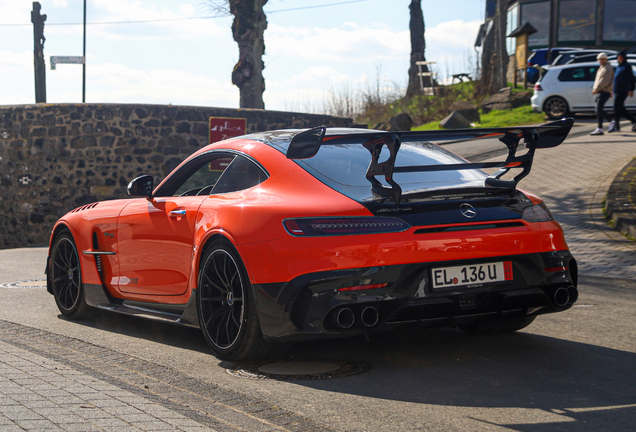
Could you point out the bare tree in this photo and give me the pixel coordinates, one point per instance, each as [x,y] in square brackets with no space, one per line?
[418,45]
[494,56]
[248,28]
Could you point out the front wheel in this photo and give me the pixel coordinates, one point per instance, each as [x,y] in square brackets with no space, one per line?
[226,306]
[66,277]
[556,108]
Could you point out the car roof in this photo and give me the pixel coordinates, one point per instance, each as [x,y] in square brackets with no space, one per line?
[557,49]
[591,63]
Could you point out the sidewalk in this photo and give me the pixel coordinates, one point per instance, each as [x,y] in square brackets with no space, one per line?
[50,382]
[573,179]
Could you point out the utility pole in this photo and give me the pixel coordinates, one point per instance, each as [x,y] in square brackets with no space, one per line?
[38,52]
[84,64]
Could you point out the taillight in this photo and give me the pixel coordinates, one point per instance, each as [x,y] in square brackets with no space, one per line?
[537,87]
[537,213]
[333,226]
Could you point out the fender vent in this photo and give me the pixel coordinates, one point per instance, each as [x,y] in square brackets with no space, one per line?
[85,207]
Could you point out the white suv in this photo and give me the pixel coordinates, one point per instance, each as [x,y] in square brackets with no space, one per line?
[567,89]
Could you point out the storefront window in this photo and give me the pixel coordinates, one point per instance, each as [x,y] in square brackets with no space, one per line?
[577,20]
[620,21]
[511,25]
[537,14]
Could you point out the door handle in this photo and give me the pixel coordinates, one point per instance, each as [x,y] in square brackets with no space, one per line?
[177,213]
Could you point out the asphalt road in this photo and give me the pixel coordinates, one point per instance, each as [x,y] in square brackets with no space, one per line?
[571,371]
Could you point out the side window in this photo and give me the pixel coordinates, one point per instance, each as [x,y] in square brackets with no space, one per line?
[572,74]
[203,179]
[241,174]
[591,73]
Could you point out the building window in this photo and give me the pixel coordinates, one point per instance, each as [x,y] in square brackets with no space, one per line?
[577,20]
[537,14]
[619,24]
[511,24]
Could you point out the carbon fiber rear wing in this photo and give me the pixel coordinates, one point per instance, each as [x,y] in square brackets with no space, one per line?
[306,144]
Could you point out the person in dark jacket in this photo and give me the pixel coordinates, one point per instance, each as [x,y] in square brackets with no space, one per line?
[624,84]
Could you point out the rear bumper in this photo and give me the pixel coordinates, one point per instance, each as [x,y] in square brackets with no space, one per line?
[308,306]
[537,102]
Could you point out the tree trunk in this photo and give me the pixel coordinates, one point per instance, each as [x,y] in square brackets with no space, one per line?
[418,45]
[494,57]
[502,53]
[247,29]
[38,53]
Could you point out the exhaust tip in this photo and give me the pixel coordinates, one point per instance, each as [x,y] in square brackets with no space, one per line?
[561,297]
[345,318]
[369,316]
[573,293]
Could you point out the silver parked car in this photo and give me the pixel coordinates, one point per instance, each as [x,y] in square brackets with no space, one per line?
[566,90]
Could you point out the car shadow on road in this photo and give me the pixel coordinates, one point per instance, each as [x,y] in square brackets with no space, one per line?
[155,331]
[576,386]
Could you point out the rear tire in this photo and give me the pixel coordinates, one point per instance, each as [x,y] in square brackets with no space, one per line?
[227,309]
[66,277]
[556,108]
[500,326]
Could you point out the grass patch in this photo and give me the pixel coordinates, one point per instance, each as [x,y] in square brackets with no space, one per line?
[422,109]
[515,117]
[496,118]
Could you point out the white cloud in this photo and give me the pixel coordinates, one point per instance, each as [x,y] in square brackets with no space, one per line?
[351,44]
[452,34]
[135,10]
[60,3]
[320,74]
[118,83]
[17,69]
[24,59]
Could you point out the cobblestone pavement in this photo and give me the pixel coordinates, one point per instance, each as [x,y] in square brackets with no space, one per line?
[573,179]
[50,382]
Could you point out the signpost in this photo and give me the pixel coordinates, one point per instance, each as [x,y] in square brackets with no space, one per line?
[226,127]
[55,60]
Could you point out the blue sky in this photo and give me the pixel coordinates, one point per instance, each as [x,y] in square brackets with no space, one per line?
[309,52]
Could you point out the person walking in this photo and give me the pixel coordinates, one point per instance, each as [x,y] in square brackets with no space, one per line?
[602,89]
[624,84]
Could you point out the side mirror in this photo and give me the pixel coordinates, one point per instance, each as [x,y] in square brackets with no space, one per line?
[142,186]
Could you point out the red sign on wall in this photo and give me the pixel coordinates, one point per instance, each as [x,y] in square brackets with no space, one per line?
[224,127]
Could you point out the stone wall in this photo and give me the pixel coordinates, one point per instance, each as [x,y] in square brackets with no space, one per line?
[54,158]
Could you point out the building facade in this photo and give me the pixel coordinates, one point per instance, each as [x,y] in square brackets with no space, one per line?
[609,24]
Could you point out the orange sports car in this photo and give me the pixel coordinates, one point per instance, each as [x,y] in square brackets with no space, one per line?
[282,236]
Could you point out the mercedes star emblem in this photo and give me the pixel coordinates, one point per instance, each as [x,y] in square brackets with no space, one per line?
[468,210]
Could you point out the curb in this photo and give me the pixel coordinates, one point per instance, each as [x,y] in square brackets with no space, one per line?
[620,206]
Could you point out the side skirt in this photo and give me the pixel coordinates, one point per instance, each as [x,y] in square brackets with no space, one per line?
[182,314]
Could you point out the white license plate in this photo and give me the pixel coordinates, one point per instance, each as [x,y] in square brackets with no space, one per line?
[476,274]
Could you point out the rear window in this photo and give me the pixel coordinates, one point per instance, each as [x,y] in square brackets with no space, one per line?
[344,166]
[583,73]
[572,74]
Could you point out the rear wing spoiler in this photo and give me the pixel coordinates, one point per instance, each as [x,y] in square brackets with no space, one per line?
[306,144]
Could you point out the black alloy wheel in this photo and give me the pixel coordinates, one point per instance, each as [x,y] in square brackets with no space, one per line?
[222,298]
[66,277]
[556,108]
[226,306]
